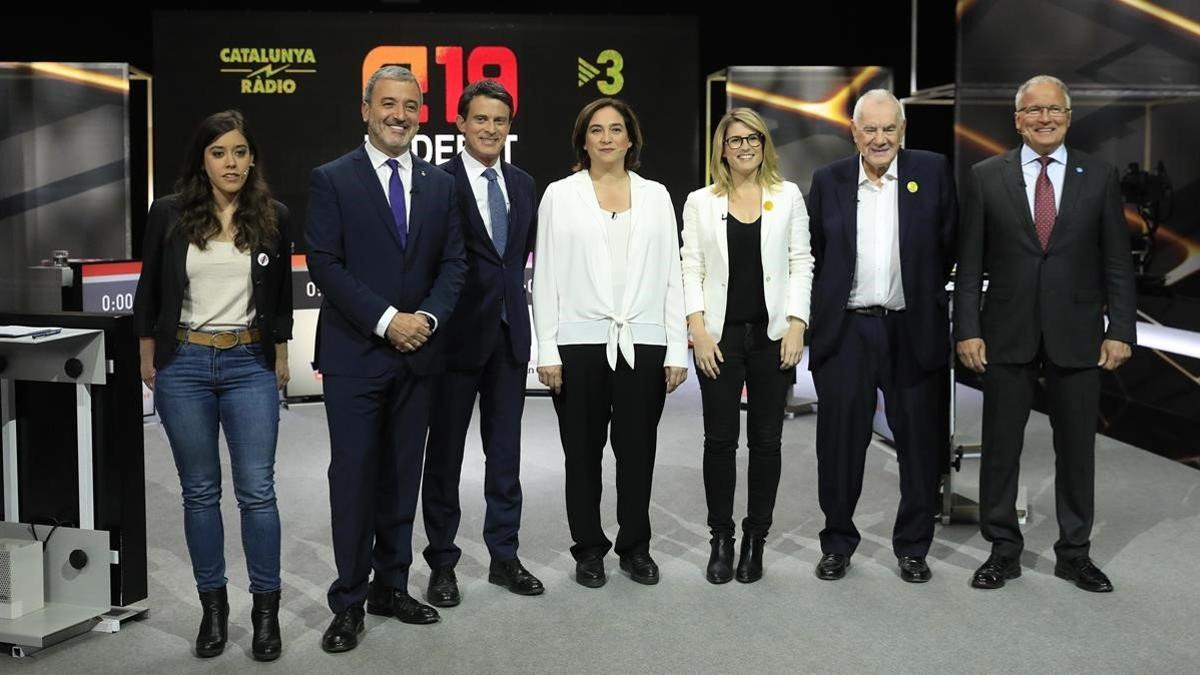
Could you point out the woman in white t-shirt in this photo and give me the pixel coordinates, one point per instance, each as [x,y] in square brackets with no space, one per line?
[214,313]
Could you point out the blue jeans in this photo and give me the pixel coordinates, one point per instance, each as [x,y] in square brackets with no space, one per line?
[197,390]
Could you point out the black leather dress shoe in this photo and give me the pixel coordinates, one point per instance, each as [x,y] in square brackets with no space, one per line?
[443,588]
[832,566]
[1084,573]
[342,634]
[995,571]
[410,610]
[641,568]
[590,572]
[914,570]
[387,601]
[512,575]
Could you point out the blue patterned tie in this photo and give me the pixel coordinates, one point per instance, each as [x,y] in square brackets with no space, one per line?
[497,210]
[499,217]
[396,198]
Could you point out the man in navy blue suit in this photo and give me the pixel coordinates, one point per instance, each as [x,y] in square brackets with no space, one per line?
[882,226]
[385,247]
[487,351]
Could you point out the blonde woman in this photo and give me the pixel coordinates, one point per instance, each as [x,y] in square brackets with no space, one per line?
[747,278]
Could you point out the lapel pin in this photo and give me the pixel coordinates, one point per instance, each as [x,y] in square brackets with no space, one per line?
[768,205]
[263,259]
[913,187]
[422,172]
[1079,169]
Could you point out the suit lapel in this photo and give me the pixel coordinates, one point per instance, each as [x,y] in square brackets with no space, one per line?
[1014,181]
[370,179]
[1073,179]
[905,198]
[720,212]
[466,198]
[847,191]
[418,196]
[514,209]
[179,249]
[770,219]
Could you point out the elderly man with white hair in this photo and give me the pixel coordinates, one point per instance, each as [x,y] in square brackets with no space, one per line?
[882,224]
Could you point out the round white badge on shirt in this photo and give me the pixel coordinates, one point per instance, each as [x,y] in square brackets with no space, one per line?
[263,259]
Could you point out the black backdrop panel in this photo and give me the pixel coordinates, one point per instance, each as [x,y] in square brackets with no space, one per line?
[302,74]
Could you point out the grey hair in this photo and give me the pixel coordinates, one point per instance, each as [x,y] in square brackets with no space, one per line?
[872,95]
[398,73]
[1041,79]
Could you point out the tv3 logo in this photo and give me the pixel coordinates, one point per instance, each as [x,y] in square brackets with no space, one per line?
[609,80]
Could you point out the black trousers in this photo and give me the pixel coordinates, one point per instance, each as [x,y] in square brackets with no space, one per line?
[500,388]
[1073,399]
[377,429]
[751,360]
[630,400]
[872,356]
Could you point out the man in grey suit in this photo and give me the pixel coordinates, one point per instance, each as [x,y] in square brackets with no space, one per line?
[1045,223]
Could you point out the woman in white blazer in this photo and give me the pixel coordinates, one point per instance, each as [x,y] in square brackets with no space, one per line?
[612,341]
[747,278]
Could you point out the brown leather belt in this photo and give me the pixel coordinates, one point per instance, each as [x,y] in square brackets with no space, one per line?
[225,339]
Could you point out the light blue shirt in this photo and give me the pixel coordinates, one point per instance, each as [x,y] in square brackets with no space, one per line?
[1056,170]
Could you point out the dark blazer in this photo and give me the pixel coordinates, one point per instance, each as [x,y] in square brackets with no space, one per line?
[472,330]
[354,256]
[928,213]
[1057,296]
[159,297]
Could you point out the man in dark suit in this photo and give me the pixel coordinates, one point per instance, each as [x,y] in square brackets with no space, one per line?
[1044,222]
[385,247]
[882,226]
[487,351]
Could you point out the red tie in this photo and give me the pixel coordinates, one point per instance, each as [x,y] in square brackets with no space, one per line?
[1043,204]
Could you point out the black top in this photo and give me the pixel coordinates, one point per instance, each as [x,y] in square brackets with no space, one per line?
[745,302]
[159,297]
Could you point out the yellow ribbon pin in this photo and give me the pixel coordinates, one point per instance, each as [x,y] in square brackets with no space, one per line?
[913,187]
[768,205]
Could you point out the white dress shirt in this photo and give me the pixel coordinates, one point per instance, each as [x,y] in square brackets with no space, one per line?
[1056,170]
[479,187]
[877,279]
[379,160]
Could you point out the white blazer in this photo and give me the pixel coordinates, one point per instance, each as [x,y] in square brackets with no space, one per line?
[787,259]
[572,274]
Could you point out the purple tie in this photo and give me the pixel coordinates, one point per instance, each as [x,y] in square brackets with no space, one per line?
[1043,204]
[396,199]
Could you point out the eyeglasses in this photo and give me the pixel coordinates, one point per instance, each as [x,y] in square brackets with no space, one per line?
[735,142]
[889,130]
[1037,110]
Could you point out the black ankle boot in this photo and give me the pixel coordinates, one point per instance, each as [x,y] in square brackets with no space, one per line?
[264,617]
[749,568]
[720,562]
[214,623]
